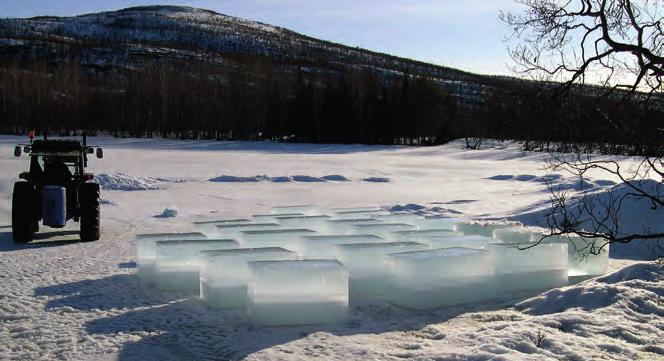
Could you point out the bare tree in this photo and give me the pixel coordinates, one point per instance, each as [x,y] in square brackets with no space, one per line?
[608,49]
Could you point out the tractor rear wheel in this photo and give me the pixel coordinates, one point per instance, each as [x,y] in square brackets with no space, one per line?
[24,212]
[88,194]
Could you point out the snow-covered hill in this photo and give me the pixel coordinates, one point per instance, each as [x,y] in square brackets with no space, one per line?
[143,35]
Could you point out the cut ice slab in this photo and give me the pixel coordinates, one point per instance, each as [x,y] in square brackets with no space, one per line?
[324,246]
[145,251]
[531,269]
[272,217]
[318,222]
[421,235]
[347,226]
[359,213]
[383,229]
[367,267]
[283,293]
[232,230]
[176,262]
[224,274]
[437,223]
[286,238]
[516,235]
[458,241]
[585,256]
[482,229]
[440,277]
[399,218]
[209,227]
[355,209]
[307,209]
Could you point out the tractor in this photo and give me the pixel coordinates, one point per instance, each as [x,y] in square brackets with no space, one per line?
[56,189]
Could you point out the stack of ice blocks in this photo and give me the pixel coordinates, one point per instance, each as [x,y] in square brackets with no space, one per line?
[440,277]
[581,260]
[297,292]
[368,271]
[176,262]
[145,252]
[519,268]
[224,275]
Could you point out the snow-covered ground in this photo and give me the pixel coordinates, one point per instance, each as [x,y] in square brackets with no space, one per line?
[60,299]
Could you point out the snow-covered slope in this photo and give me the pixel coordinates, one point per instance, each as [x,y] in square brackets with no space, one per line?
[155,34]
[61,299]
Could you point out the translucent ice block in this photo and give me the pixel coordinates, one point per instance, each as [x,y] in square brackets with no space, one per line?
[355,209]
[323,246]
[581,260]
[420,235]
[536,268]
[233,230]
[347,226]
[383,229]
[437,223]
[297,292]
[359,213]
[307,209]
[145,252]
[400,218]
[482,229]
[176,262]
[209,227]
[224,274]
[287,238]
[318,223]
[272,217]
[516,235]
[440,277]
[367,267]
[458,241]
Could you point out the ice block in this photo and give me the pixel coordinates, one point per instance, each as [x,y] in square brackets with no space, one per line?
[458,241]
[224,274]
[383,229]
[176,262]
[324,246]
[581,261]
[437,223]
[440,277]
[516,235]
[145,252]
[482,229]
[307,209]
[421,235]
[519,268]
[347,226]
[318,223]
[367,267]
[286,238]
[284,293]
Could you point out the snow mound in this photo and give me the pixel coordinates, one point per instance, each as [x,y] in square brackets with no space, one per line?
[377,180]
[431,212]
[125,182]
[556,182]
[634,288]
[280,179]
[168,213]
[234,179]
[634,215]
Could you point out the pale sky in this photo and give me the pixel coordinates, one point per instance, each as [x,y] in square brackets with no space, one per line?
[462,34]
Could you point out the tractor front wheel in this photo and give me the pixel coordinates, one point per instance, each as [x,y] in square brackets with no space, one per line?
[88,194]
[24,212]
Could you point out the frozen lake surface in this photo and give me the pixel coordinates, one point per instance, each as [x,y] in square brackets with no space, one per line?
[62,299]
